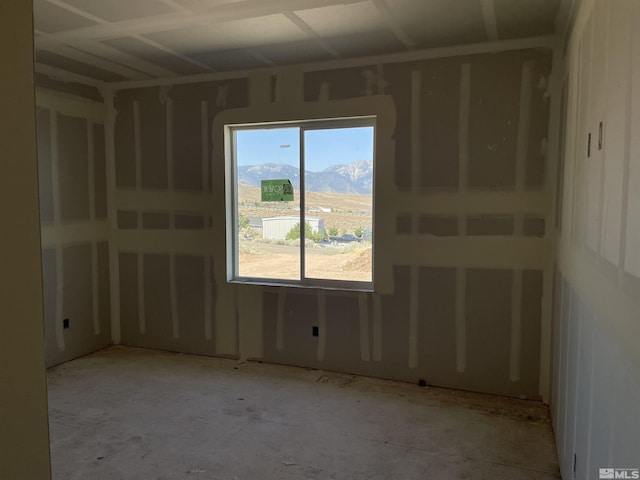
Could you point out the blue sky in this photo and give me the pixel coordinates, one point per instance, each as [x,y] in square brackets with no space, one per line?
[323,147]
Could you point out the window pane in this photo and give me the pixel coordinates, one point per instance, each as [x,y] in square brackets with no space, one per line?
[268,236]
[339,203]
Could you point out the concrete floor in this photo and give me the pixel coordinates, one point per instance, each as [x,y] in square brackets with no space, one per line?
[126,413]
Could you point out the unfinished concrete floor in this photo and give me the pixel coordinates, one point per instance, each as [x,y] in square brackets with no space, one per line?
[126,413]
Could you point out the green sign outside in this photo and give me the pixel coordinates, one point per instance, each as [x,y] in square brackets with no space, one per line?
[276,191]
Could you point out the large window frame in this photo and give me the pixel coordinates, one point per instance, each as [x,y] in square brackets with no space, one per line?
[232,205]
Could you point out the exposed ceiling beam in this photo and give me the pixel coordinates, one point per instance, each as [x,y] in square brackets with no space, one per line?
[43,42]
[216,15]
[118,33]
[489,17]
[393,24]
[66,76]
[310,32]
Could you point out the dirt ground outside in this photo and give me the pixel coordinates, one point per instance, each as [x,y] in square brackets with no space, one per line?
[266,260]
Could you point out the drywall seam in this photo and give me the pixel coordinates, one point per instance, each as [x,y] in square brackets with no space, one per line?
[74,233]
[95,291]
[399,57]
[377,327]
[515,351]
[70,105]
[130,199]
[282,298]
[114,259]
[142,321]
[473,202]
[322,325]
[460,320]
[365,349]
[413,316]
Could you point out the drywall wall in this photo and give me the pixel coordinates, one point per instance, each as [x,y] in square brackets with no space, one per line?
[24,437]
[74,217]
[463,258]
[596,367]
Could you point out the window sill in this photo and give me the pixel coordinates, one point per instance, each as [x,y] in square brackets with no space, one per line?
[328,285]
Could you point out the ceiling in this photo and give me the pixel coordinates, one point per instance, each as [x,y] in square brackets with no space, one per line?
[117,40]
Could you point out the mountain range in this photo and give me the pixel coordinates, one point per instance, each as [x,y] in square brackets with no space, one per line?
[356,177]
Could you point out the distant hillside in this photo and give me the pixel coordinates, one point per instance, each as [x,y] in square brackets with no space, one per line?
[356,177]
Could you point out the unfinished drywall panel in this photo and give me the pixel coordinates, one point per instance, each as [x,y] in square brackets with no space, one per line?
[346,335]
[400,89]
[127,220]
[100,171]
[150,123]
[438,225]
[129,299]
[191,311]
[509,148]
[440,123]
[126,152]
[78,299]
[49,296]
[290,319]
[343,83]
[533,227]
[495,92]
[188,221]
[45,168]
[73,168]
[155,220]
[488,321]
[397,334]
[395,317]
[71,149]
[437,336]
[525,364]
[490,225]
[533,141]
[157,299]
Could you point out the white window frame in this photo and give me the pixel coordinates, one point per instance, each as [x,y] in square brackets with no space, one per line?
[232,203]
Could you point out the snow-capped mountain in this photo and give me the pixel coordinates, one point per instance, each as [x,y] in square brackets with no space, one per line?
[356,177]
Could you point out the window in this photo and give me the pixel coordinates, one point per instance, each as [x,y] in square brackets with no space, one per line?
[316,174]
